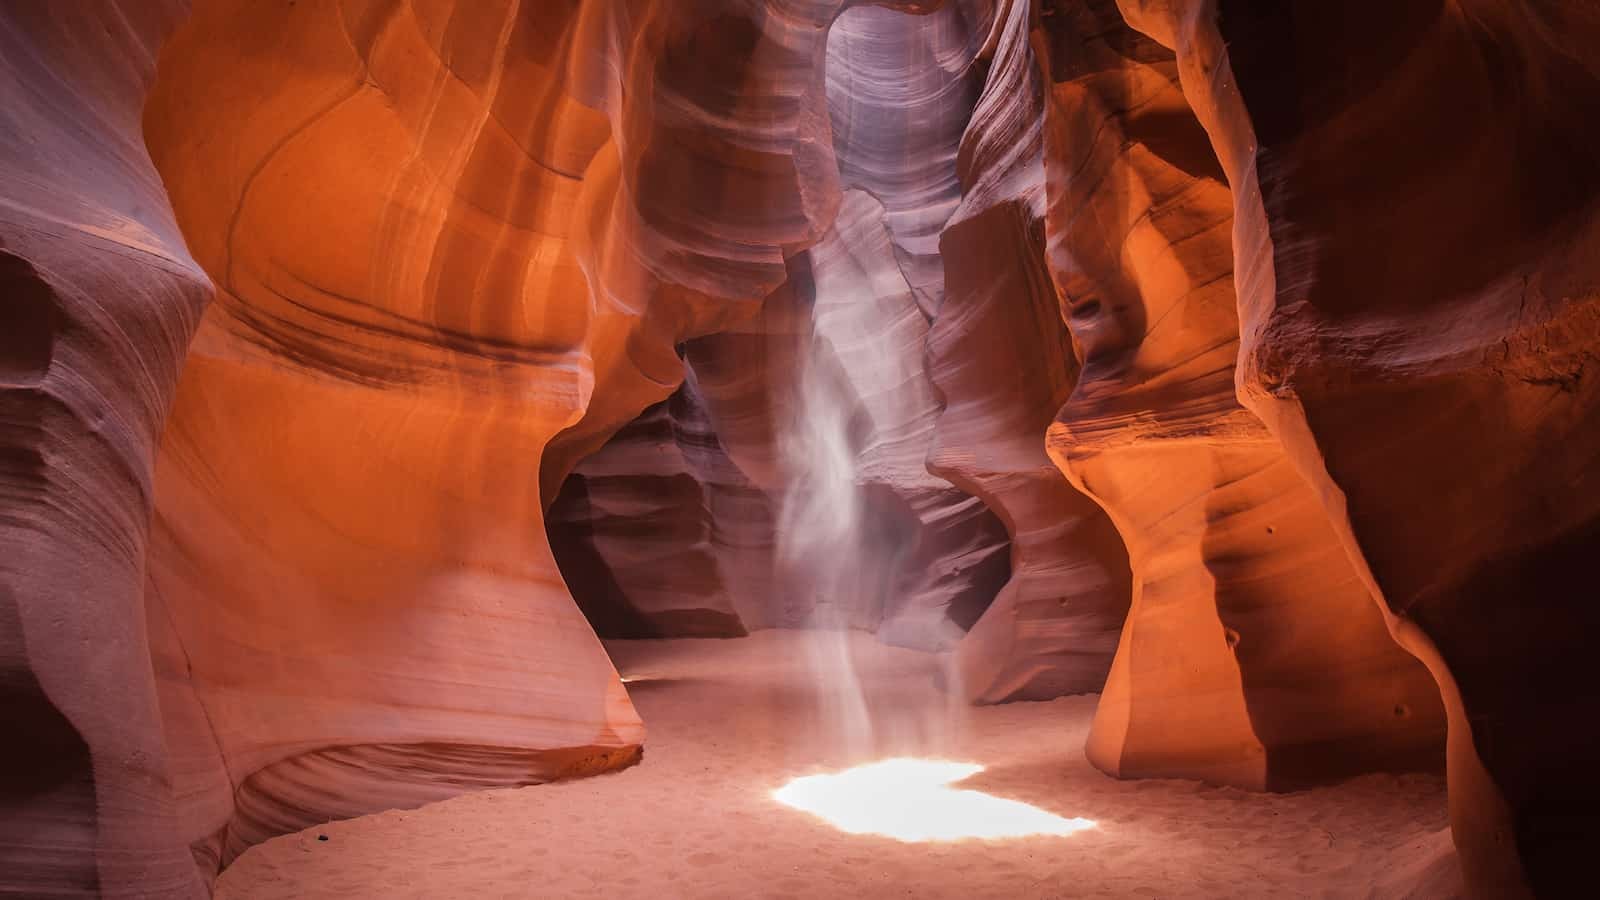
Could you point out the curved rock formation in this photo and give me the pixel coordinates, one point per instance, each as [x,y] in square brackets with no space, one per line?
[1004,366]
[99,299]
[352,600]
[900,90]
[456,245]
[1416,214]
[460,252]
[742,381]
[636,533]
[843,340]
[1253,655]
[938,554]
[1002,361]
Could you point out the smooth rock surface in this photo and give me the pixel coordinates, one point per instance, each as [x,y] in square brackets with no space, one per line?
[317,313]
[98,298]
[1416,213]
[1002,361]
[1253,654]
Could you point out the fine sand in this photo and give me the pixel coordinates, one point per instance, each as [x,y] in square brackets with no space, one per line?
[732,721]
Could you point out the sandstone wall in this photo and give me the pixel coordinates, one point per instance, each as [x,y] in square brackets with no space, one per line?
[1253,654]
[100,298]
[1415,221]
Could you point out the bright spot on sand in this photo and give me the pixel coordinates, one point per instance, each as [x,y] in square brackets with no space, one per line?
[911,800]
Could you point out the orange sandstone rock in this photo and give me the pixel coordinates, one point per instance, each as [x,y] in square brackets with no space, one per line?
[1253,654]
[1415,216]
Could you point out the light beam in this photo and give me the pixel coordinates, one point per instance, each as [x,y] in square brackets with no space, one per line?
[911,800]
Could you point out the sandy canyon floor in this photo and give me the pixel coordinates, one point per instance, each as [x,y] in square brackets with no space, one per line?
[732,721]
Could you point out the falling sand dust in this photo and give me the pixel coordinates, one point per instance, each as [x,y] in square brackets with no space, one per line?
[732,723]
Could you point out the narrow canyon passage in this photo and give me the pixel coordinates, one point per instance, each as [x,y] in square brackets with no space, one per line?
[733,720]
[799,448]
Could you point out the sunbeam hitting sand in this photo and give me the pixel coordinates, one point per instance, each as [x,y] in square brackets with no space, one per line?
[732,722]
[911,800]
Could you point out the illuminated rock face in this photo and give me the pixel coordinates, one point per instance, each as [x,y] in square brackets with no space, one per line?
[458,252]
[1253,653]
[932,306]
[351,601]
[938,552]
[1416,218]
[456,247]
[900,90]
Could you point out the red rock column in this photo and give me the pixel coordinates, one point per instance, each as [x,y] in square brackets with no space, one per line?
[1253,655]
[1417,205]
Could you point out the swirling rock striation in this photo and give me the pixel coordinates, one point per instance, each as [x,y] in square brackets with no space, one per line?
[100,298]
[842,339]
[937,555]
[1253,655]
[636,529]
[1002,361]
[1416,212]
[457,246]
[900,90]
[342,565]
[465,254]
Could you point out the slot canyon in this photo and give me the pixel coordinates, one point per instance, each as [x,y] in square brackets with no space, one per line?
[799,448]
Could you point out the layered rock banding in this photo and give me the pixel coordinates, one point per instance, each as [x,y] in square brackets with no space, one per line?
[462,252]
[840,347]
[639,533]
[1415,221]
[933,556]
[1253,655]
[349,608]
[405,357]
[98,298]
[900,89]
[1002,361]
